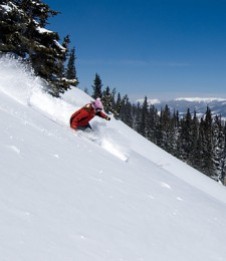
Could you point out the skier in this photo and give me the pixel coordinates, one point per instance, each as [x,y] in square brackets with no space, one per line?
[80,119]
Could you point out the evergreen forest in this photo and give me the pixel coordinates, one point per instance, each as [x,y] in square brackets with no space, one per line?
[200,142]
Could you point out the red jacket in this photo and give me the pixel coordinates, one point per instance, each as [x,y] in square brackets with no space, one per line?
[82,117]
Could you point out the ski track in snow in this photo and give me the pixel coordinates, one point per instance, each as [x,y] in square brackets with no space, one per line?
[14,149]
[165,185]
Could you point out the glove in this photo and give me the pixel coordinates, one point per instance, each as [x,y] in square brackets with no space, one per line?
[108,119]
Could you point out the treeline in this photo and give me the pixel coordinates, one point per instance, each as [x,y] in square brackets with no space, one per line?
[200,142]
[23,34]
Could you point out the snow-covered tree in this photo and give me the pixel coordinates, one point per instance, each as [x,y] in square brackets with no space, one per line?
[71,70]
[218,148]
[23,33]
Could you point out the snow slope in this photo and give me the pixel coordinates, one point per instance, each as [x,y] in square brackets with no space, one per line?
[105,196]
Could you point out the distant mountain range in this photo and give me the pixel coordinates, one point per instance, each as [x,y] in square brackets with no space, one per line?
[217,105]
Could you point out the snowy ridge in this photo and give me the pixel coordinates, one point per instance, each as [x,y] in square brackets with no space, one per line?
[108,195]
[150,101]
[201,99]
[198,104]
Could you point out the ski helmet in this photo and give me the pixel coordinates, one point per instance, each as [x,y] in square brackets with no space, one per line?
[97,104]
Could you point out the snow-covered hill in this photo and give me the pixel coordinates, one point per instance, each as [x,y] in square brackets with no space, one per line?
[106,196]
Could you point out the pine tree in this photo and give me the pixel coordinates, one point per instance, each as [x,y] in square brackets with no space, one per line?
[143,125]
[125,110]
[13,27]
[118,102]
[97,87]
[208,156]
[71,70]
[165,121]
[223,168]
[107,100]
[175,123]
[136,114]
[218,148]
[185,136]
[194,155]
[47,59]
[62,71]
[36,10]
[22,25]
[159,131]
[204,154]
[153,122]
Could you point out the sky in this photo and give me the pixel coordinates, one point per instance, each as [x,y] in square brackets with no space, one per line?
[155,48]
